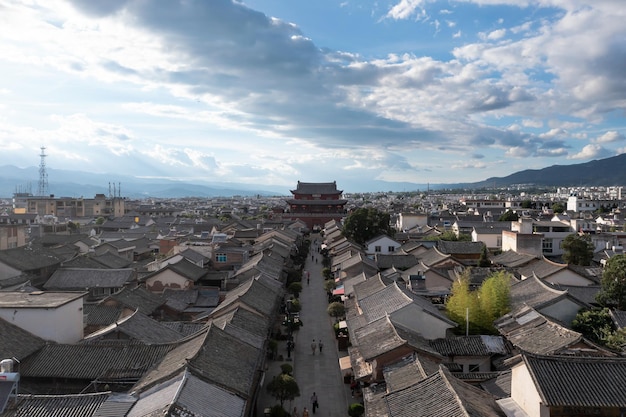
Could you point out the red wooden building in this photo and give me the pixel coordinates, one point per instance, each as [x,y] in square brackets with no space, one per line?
[316,203]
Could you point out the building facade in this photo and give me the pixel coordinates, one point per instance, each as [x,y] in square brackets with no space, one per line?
[316,203]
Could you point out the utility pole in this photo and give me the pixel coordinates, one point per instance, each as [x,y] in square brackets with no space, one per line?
[43,175]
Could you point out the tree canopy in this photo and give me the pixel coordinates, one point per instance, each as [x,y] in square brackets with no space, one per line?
[578,249]
[613,291]
[479,308]
[509,216]
[283,387]
[364,224]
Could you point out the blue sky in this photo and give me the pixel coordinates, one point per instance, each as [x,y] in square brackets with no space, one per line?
[274,91]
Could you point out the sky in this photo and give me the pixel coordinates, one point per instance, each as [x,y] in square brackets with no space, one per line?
[274,91]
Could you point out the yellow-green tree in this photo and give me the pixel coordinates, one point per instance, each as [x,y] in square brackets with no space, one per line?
[462,305]
[494,299]
[481,307]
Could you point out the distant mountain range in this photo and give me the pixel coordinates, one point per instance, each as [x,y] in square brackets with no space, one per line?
[608,172]
[63,183]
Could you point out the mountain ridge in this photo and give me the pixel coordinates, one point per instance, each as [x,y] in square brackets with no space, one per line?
[608,172]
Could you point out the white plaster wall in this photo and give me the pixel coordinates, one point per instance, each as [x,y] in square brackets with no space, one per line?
[63,324]
[524,392]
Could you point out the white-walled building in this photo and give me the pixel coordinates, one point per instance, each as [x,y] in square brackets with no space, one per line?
[54,316]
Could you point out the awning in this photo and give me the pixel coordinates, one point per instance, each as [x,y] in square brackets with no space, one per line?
[344,363]
[338,291]
[343,324]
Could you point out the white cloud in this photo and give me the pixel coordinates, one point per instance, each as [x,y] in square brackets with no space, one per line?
[496,34]
[610,136]
[590,151]
[406,9]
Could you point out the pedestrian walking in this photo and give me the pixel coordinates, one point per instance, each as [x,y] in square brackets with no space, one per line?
[305,412]
[295,412]
[314,403]
[313,346]
[308,280]
[289,347]
[320,345]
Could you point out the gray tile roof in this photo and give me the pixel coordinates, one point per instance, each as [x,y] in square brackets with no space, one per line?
[16,342]
[188,269]
[443,395]
[140,298]
[77,278]
[579,381]
[135,327]
[184,327]
[460,247]
[215,356]
[31,258]
[316,188]
[404,373]
[542,268]
[512,259]
[534,293]
[377,338]
[474,345]
[433,257]
[258,293]
[92,361]
[500,386]
[399,261]
[188,395]
[77,405]
[246,320]
[100,314]
[384,302]
[368,287]
[531,332]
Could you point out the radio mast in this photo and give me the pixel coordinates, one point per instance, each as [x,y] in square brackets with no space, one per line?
[43,175]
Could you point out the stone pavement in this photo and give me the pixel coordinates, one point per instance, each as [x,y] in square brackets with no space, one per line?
[317,372]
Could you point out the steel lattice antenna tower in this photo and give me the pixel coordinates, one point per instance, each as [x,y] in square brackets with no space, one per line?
[43,175]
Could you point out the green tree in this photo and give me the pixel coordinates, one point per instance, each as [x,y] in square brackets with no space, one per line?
[558,207]
[295,288]
[613,291]
[283,387]
[508,216]
[480,308]
[494,299]
[484,261]
[595,324]
[336,310]
[364,224]
[578,249]
[329,285]
[462,305]
[356,410]
[526,204]
[100,220]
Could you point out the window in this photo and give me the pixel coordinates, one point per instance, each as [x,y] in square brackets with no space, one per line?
[377,249]
[221,257]
[547,245]
[473,367]
[391,248]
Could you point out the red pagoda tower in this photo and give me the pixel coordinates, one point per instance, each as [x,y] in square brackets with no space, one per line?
[316,203]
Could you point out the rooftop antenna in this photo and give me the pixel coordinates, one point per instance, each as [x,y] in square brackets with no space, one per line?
[43,175]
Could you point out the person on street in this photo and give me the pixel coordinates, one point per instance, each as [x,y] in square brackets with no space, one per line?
[305,412]
[314,404]
[320,345]
[313,346]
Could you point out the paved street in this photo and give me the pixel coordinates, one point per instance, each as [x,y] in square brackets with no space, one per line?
[317,372]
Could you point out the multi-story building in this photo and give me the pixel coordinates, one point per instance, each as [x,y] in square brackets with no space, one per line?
[316,203]
[68,207]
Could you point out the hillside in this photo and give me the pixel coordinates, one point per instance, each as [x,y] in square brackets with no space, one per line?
[609,171]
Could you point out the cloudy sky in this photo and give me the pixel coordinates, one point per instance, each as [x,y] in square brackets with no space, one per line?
[276,91]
